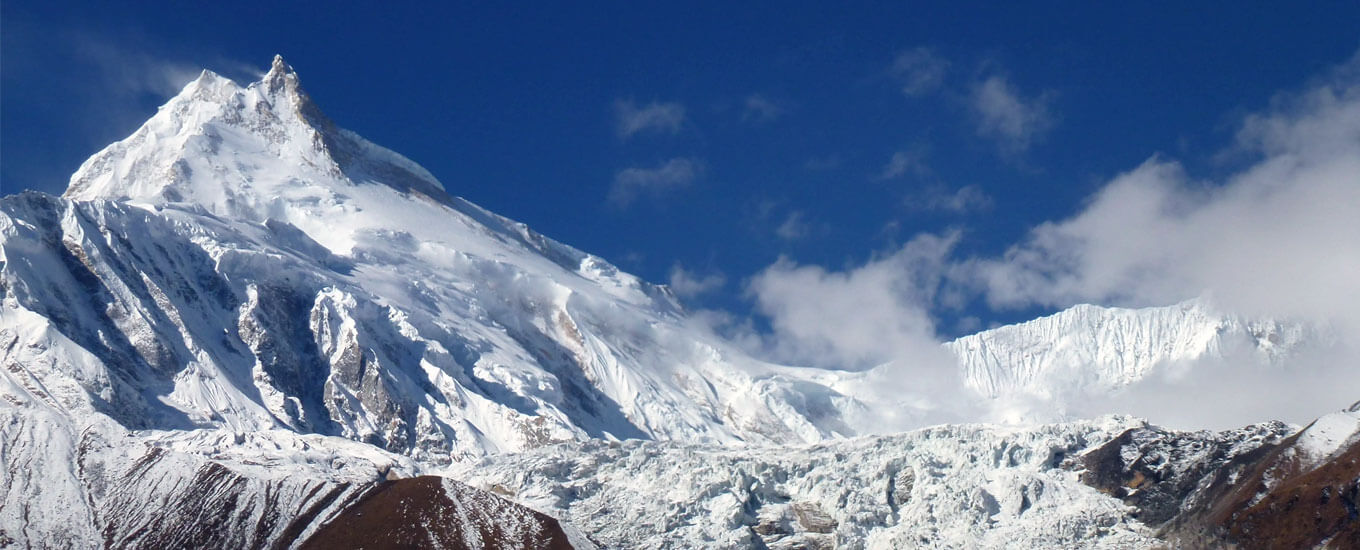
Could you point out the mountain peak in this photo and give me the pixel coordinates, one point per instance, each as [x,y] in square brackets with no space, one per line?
[209,86]
[281,76]
[254,152]
[208,77]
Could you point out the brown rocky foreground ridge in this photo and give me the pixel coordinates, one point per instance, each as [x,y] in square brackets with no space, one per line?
[1250,488]
[433,512]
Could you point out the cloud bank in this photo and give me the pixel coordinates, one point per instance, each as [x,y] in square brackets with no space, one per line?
[1277,237]
[858,318]
[1280,237]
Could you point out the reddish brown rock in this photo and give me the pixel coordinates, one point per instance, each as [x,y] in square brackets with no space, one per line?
[433,512]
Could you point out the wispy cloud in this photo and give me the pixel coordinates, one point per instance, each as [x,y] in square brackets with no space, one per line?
[113,84]
[1001,111]
[1281,237]
[793,227]
[127,70]
[969,198]
[920,71]
[689,284]
[902,163]
[822,163]
[133,73]
[1008,116]
[672,174]
[758,108]
[656,117]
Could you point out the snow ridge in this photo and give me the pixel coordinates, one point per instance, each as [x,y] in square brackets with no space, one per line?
[1092,349]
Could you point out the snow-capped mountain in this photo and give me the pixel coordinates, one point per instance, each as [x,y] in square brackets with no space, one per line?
[262,269]
[242,326]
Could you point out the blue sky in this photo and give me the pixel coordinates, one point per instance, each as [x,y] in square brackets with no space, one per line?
[702,144]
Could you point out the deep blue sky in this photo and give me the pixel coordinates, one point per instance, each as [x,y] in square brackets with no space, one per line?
[791,114]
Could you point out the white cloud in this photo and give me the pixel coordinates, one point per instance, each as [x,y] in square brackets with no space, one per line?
[1277,238]
[687,283]
[758,108]
[672,174]
[858,318]
[903,162]
[919,70]
[653,117]
[1237,390]
[873,319]
[1006,115]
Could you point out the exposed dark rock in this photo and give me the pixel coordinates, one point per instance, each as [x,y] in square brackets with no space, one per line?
[1156,471]
[812,518]
[1244,488]
[1277,502]
[432,512]
[900,486]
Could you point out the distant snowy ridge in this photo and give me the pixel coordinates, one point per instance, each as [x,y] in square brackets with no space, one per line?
[1097,349]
